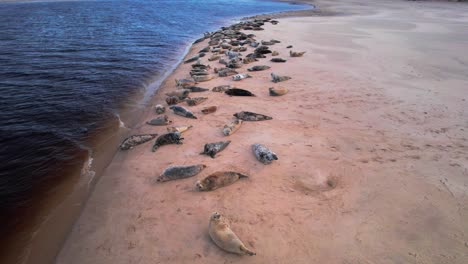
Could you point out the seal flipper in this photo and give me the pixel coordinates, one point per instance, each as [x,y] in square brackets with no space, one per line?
[246,251]
[275,157]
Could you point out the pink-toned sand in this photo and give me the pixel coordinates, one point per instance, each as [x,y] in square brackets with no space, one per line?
[372,146]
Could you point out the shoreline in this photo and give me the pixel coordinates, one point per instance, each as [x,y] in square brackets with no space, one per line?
[132,225]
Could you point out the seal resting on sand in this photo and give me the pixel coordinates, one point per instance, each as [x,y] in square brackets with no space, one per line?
[182,111]
[250,116]
[159,109]
[172,100]
[278,91]
[264,154]
[181,93]
[221,88]
[218,179]
[211,149]
[180,172]
[195,100]
[278,60]
[238,92]
[209,109]
[240,76]
[259,68]
[277,78]
[159,121]
[135,140]
[166,139]
[296,54]
[222,235]
[180,129]
[232,127]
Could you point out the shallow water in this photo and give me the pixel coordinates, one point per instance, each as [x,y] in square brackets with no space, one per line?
[68,70]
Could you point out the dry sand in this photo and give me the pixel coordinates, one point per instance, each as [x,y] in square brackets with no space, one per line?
[377,108]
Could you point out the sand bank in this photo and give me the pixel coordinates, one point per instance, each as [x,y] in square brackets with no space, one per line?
[372,146]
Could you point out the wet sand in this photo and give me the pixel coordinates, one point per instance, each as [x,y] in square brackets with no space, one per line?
[372,146]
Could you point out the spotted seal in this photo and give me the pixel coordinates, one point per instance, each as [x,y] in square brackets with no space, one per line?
[196,89]
[180,110]
[263,154]
[221,88]
[182,83]
[259,68]
[195,100]
[211,149]
[240,76]
[277,78]
[250,116]
[232,127]
[296,54]
[172,100]
[166,139]
[218,179]
[222,235]
[202,78]
[159,109]
[135,140]
[180,172]
[159,121]
[181,93]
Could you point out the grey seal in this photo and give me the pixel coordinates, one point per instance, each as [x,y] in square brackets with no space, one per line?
[166,139]
[278,78]
[195,100]
[180,172]
[250,116]
[211,149]
[238,92]
[135,140]
[218,179]
[296,54]
[263,154]
[179,110]
[159,109]
[259,68]
[159,121]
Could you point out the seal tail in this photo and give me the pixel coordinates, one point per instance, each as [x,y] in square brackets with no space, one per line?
[247,251]
[242,175]
[154,148]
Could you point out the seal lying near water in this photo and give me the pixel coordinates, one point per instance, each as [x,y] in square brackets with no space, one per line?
[166,139]
[180,129]
[181,93]
[238,92]
[179,110]
[195,100]
[296,54]
[211,149]
[135,140]
[180,172]
[263,154]
[250,116]
[218,179]
[159,109]
[182,83]
[159,121]
[222,235]
[202,78]
[172,100]
[232,127]
[278,91]
[196,89]
[277,78]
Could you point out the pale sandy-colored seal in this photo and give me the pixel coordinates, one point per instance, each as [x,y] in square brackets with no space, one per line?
[195,100]
[182,83]
[209,109]
[222,235]
[172,100]
[274,53]
[202,78]
[211,149]
[159,121]
[159,109]
[214,57]
[240,76]
[248,60]
[278,78]
[278,91]
[250,116]
[180,129]
[259,68]
[232,127]
[180,172]
[135,140]
[182,111]
[166,139]
[218,179]
[181,93]
[296,54]
[264,154]
[238,92]
[221,88]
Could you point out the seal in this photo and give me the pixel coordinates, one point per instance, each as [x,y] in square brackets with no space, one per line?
[248,60]
[196,89]
[159,109]
[296,54]
[224,72]
[209,109]
[202,78]
[277,78]
[278,91]
[172,100]
[159,121]
[259,68]
[180,129]
[211,149]
[195,100]
[192,59]
[250,116]
[222,235]
[218,179]
[181,93]
[135,140]
[214,57]
[289,46]
[182,83]
[263,154]
[166,139]
[278,60]
[180,172]
[238,92]
[180,110]
[232,127]
[240,76]
[235,63]
[205,49]
[221,88]
[268,43]
[274,53]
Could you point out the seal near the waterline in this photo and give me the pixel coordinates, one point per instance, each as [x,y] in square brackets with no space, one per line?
[192,59]
[159,109]
[172,100]
[180,172]
[181,93]
[278,60]
[277,91]
[195,100]
[264,154]
[221,88]
[182,111]
[224,72]
[214,57]
[222,235]
[182,83]
[296,54]
[209,109]
[218,179]
[240,76]
[211,149]
[166,139]
[159,121]
[180,129]
[250,116]
[202,78]
[259,68]
[205,49]
[196,89]
[232,127]
[238,92]
[135,140]
[278,78]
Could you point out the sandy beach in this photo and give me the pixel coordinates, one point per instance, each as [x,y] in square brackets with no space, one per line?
[371,139]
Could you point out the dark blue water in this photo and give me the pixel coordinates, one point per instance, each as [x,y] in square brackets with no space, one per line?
[67,69]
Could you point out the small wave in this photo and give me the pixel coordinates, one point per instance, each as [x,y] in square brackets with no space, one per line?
[121,123]
[86,169]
